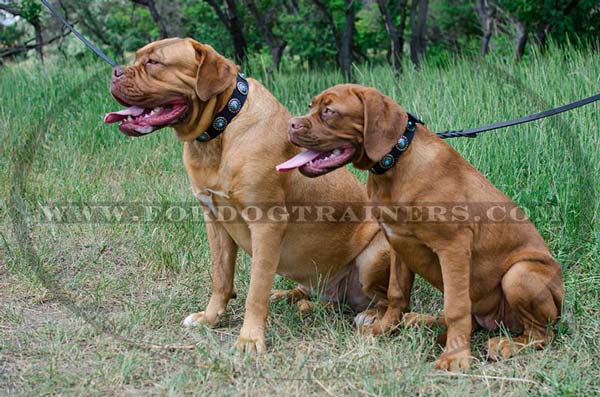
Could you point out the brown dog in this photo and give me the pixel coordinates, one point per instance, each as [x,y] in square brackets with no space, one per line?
[491,270]
[183,84]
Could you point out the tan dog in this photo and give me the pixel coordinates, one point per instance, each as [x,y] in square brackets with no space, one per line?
[183,84]
[491,270]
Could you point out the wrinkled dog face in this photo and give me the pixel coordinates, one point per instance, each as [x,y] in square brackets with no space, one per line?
[346,123]
[167,83]
[331,131]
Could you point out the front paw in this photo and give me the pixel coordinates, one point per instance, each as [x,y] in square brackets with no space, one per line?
[202,318]
[455,361]
[251,341]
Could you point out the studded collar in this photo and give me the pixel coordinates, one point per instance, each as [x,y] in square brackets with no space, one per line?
[233,107]
[389,160]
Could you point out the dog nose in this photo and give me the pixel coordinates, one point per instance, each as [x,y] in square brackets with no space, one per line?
[296,124]
[118,72]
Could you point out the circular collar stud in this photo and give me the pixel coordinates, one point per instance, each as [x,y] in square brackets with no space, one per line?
[204,137]
[387,161]
[234,105]
[402,144]
[242,87]
[220,123]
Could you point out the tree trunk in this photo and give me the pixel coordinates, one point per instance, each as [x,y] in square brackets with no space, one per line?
[395,34]
[343,42]
[39,39]
[521,39]
[345,49]
[277,54]
[34,21]
[541,35]
[276,45]
[418,19]
[323,8]
[486,14]
[240,46]
[163,26]
[234,26]
[160,21]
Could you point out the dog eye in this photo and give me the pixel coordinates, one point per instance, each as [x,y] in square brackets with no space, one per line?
[152,62]
[327,111]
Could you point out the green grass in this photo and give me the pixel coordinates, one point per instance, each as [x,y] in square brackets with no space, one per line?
[95,308]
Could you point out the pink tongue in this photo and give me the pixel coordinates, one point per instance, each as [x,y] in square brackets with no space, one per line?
[298,161]
[114,117]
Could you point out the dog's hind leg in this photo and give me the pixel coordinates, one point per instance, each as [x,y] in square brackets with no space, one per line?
[534,293]
[290,295]
[373,265]
[419,319]
[223,252]
[400,285]
[298,296]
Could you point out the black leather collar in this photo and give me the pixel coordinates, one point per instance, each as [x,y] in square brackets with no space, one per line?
[233,107]
[389,160]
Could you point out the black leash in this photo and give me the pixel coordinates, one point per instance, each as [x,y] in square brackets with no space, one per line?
[85,41]
[472,132]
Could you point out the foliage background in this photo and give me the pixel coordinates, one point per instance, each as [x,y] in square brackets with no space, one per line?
[311,29]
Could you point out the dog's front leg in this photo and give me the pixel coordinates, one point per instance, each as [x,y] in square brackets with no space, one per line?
[266,250]
[223,252]
[455,262]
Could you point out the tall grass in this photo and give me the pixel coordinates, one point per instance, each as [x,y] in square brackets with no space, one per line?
[142,279]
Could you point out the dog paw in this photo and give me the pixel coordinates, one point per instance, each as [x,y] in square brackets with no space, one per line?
[455,361]
[251,342]
[417,319]
[200,318]
[500,348]
[305,306]
[369,316]
[289,295]
[377,328]
[279,295]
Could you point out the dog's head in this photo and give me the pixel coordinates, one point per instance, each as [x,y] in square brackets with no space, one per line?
[169,84]
[346,123]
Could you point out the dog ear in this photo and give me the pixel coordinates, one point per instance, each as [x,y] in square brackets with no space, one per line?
[384,123]
[215,72]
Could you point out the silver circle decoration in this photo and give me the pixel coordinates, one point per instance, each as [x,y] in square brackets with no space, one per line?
[234,105]
[220,123]
[402,144]
[387,161]
[242,87]
[204,137]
